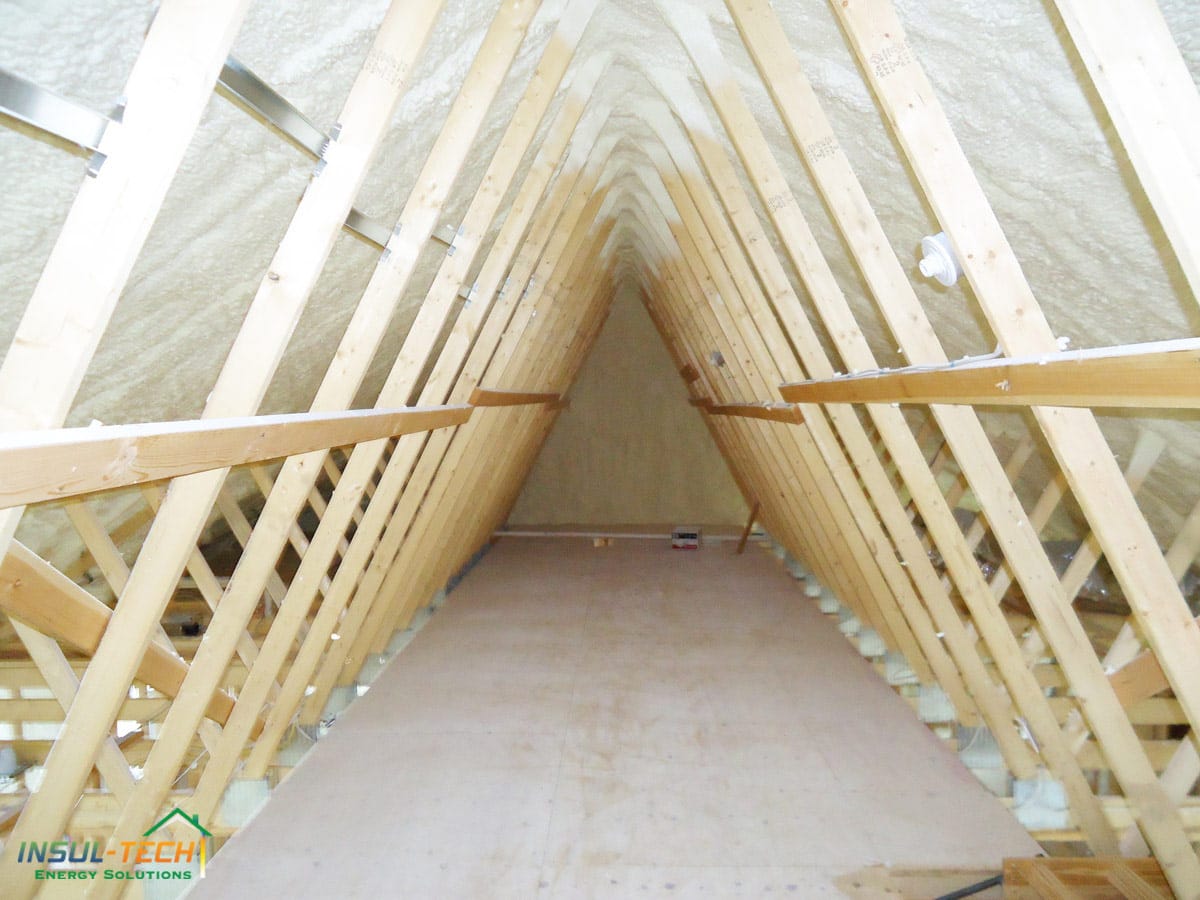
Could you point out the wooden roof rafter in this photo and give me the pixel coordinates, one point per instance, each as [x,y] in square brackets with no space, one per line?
[1072,434]
[344,662]
[443,163]
[949,529]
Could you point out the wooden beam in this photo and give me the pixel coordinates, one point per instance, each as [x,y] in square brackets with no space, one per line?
[474,338]
[736,465]
[47,655]
[282,295]
[1157,375]
[855,544]
[135,521]
[1146,451]
[1151,711]
[1180,774]
[422,209]
[41,466]
[489,397]
[572,196]
[19,709]
[826,443]
[562,234]
[112,564]
[168,89]
[687,218]
[1151,98]
[897,79]
[1135,885]
[468,493]
[771,412]
[206,583]
[772,187]
[556,249]
[489,280]
[757,349]
[741,544]
[40,596]
[875,582]
[21,673]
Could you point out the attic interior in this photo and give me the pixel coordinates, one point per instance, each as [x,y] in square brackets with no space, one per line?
[324,318]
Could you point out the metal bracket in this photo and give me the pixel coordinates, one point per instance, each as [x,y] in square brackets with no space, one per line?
[264,100]
[367,228]
[446,234]
[55,115]
[267,103]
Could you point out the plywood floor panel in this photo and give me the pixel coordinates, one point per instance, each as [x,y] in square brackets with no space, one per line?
[615,722]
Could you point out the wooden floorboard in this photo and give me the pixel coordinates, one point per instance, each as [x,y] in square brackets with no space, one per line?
[617,721]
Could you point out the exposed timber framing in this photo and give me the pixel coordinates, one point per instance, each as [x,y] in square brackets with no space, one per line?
[1158,376]
[1073,435]
[417,221]
[771,412]
[32,591]
[463,121]
[256,352]
[51,465]
[489,397]
[345,522]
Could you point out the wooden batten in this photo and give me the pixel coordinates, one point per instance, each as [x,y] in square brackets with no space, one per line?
[53,465]
[1155,376]
[770,412]
[487,397]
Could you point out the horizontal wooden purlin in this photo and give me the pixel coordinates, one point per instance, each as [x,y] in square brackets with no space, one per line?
[772,412]
[1164,375]
[487,397]
[16,674]
[98,811]
[39,595]
[1150,711]
[23,710]
[1117,811]
[54,464]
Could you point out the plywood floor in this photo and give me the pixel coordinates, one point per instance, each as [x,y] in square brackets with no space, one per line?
[627,721]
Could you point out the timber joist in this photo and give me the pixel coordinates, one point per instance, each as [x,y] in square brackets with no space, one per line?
[225,574]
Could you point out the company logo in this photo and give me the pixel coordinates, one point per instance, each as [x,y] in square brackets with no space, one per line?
[147,851]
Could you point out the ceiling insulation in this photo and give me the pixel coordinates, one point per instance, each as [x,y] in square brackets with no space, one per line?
[1020,103]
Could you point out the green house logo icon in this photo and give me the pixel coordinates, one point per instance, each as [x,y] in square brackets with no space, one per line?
[194,821]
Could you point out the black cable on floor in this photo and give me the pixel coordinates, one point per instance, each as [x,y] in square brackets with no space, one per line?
[972,889]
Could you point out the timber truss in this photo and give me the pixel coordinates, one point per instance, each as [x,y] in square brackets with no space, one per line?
[209,661]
